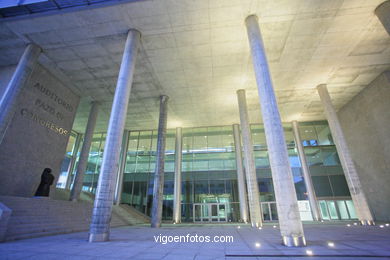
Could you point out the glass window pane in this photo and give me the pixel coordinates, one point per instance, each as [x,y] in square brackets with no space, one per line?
[324,135]
[342,209]
[351,209]
[322,186]
[332,210]
[324,210]
[339,185]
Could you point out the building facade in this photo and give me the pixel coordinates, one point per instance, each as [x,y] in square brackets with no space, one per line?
[209,172]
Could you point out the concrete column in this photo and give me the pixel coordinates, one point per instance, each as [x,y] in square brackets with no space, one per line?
[315,211]
[101,215]
[286,199]
[84,154]
[73,162]
[240,175]
[123,157]
[177,187]
[158,187]
[21,75]
[250,169]
[358,197]
[383,14]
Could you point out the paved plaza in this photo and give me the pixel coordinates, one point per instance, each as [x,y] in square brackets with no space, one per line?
[325,241]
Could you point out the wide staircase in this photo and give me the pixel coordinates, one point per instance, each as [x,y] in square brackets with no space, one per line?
[39,216]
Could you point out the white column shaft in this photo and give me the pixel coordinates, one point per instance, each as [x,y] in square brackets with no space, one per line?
[383,14]
[242,195]
[351,175]
[158,187]
[249,161]
[306,174]
[119,181]
[177,187]
[101,216]
[84,154]
[22,73]
[286,199]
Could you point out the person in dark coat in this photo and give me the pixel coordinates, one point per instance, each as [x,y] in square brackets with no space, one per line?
[46,180]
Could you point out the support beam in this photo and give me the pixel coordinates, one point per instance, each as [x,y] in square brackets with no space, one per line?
[250,169]
[158,188]
[177,187]
[358,197]
[123,157]
[383,14]
[242,195]
[21,75]
[84,154]
[101,216]
[286,198]
[315,211]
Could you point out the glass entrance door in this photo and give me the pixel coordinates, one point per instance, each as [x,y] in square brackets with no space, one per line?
[337,209]
[210,212]
[269,211]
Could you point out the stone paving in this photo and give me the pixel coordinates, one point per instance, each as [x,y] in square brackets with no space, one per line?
[137,242]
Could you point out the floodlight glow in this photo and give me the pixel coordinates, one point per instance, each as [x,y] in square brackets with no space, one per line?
[330,244]
[309,252]
[257,245]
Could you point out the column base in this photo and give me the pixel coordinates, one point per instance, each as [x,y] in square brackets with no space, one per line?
[367,222]
[155,225]
[98,237]
[292,241]
[256,225]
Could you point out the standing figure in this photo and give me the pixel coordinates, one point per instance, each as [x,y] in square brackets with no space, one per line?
[46,180]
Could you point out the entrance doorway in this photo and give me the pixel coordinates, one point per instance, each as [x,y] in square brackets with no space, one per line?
[337,209]
[210,212]
[269,211]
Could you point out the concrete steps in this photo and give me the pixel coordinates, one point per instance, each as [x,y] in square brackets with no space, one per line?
[35,217]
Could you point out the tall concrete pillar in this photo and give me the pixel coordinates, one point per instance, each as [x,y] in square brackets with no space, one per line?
[383,14]
[73,161]
[358,197]
[119,181]
[286,199]
[101,215]
[177,187]
[158,188]
[84,154]
[242,195]
[315,211]
[250,169]
[22,73]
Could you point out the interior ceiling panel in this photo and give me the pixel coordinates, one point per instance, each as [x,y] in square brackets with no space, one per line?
[197,52]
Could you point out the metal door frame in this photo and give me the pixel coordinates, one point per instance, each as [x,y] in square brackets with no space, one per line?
[209,218]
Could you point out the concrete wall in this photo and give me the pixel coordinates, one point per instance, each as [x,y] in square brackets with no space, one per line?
[38,133]
[366,124]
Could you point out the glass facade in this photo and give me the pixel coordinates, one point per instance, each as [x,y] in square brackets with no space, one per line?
[209,177]
[71,155]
